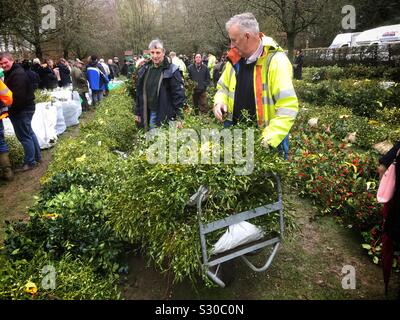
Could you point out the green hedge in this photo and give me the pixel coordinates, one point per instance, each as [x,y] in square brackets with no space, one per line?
[314,74]
[341,121]
[363,97]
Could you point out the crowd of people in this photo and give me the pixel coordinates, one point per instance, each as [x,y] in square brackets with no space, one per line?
[253,82]
[239,75]
[17,97]
[254,63]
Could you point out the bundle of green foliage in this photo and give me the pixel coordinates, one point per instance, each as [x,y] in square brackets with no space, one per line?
[42,96]
[71,222]
[15,150]
[148,204]
[47,279]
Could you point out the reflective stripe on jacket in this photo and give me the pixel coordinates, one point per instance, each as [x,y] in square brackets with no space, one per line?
[5,94]
[7,99]
[276,100]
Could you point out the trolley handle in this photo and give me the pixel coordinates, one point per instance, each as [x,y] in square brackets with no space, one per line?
[202,193]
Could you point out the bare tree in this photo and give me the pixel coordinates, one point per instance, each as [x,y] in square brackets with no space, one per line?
[138,20]
[26,23]
[293,16]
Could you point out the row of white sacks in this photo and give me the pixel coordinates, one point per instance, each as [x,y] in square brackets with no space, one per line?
[52,118]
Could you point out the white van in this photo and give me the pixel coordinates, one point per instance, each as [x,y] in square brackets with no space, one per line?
[391,36]
[376,35]
[343,40]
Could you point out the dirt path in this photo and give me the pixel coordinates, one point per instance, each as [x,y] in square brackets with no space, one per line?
[18,195]
[308,265]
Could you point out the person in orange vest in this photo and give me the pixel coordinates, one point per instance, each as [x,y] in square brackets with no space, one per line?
[6,100]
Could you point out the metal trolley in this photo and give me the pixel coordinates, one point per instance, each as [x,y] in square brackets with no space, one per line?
[212,266]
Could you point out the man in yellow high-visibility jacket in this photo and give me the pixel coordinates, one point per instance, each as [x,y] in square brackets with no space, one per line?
[258,79]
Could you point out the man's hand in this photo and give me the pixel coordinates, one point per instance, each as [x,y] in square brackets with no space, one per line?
[179,125]
[265,144]
[219,110]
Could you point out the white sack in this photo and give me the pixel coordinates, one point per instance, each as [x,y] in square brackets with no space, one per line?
[61,126]
[236,235]
[72,110]
[44,122]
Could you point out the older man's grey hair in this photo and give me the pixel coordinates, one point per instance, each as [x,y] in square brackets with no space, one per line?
[246,22]
[156,44]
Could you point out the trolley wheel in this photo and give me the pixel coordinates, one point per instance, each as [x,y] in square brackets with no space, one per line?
[225,272]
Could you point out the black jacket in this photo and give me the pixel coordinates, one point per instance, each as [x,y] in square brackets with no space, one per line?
[34,77]
[171,95]
[20,85]
[65,75]
[201,77]
[48,80]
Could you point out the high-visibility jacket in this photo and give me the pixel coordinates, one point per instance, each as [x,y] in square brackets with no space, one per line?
[7,99]
[211,64]
[276,100]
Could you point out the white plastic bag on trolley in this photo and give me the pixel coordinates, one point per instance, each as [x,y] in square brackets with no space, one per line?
[237,235]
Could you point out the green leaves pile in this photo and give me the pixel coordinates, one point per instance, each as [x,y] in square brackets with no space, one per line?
[148,205]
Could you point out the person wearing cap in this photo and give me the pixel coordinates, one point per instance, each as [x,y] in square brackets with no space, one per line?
[160,91]
[79,83]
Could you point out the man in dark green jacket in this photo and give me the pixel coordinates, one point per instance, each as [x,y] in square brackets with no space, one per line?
[79,83]
[160,91]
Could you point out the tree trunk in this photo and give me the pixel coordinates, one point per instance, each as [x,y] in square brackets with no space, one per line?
[38,51]
[291,36]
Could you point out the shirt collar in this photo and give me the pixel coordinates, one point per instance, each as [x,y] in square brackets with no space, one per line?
[256,54]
